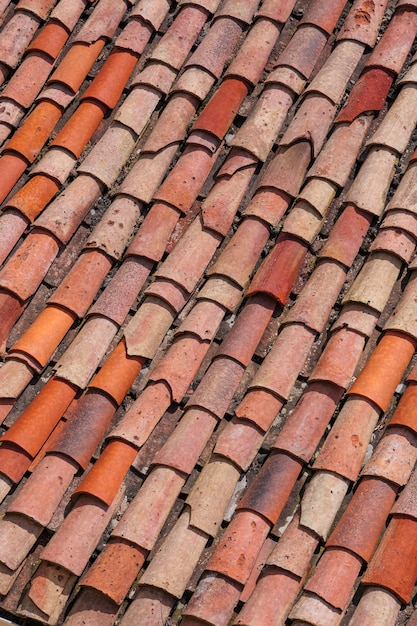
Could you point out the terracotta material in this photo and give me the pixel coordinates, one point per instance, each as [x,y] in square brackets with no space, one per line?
[32,198]
[150,603]
[214,604]
[260,408]
[347,235]
[398,443]
[394,134]
[75,65]
[240,443]
[292,159]
[376,605]
[147,328]
[393,48]
[318,16]
[394,565]
[311,608]
[305,426]
[392,355]
[80,127]
[118,373]
[356,530]
[405,505]
[404,414]
[262,497]
[12,226]
[16,35]
[271,279]
[29,79]
[311,123]
[73,293]
[44,335]
[154,233]
[295,549]
[114,230]
[92,607]
[102,22]
[368,94]
[352,431]
[12,167]
[107,474]
[321,502]
[395,242]
[334,577]
[363,22]
[304,50]
[14,462]
[134,37]
[18,536]
[14,376]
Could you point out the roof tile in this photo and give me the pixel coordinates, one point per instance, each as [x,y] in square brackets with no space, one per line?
[317,15]
[338,361]
[354,424]
[318,193]
[240,442]
[48,594]
[363,22]
[79,362]
[240,10]
[357,317]
[245,534]
[143,415]
[311,123]
[14,376]
[403,220]
[276,10]
[210,495]
[19,534]
[404,414]
[67,12]
[302,52]
[376,605]
[151,12]
[78,130]
[112,77]
[334,577]
[121,216]
[406,502]
[264,496]
[143,98]
[195,82]
[65,213]
[357,531]
[40,497]
[156,75]
[310,608]
[16,35]
[73,293]
[102,22]
[173,564]
[347,236]
[12,226]
[147,328]
[394,564]
[368,94]
[134,37]
[395,44]
[26,83]
[259,407]
[223,291]
[395,242]
[149,601]
[398,444]
[171,293]
[303,222]
[56,164]
[214,604]
[399,122]
[321,501]
[11,308]
[294,159]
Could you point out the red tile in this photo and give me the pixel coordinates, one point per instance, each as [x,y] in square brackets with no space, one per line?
[153,13]
[120,294]
[368,94]
[240,443]
[326,19]
[38,245]
[358,530]
[403,220]
[363,22]
[36,423]
[279,11]
[154,232]
[395,44]
[14,462]
[250,325]
[238,548]
[345,446]
[183,448]
[219,114]
[384,369]
[259,565]
[306,425]
[107,474]
[212,603]
[272,486]
[274,594]
[259,407]
[11,307]
[43,491]
[33,197]
[253,54]
[394,565]
[271,278]
[347,236]
[334,577]
[12,167]
[304,49]
[74,67]
[44,336]
[75,293]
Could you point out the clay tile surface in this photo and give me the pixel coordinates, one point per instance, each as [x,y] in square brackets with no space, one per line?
[207,312]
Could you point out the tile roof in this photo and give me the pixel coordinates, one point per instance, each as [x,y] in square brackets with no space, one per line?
[207,293]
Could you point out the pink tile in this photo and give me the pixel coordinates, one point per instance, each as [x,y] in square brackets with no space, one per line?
[363,22]
[152,237]
[304,49]
[102,22]
[92,608]
[242,11]
[279,11]
[394,457]
[41,8]
[287,170]
[396,242]
[406,503]
[151,12]
[16,35]
[239,442]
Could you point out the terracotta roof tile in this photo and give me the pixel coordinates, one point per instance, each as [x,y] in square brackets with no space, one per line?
[311,122]
[74,67]
[26,83]
[242,11]
[206,605]
[68,12]
[363,22]
[347,235]
[318,513]
[279,11]
[16,35]
[393,48]
[312,608]
[368,94]
[304,49]
[240,442]
[102,22]
[324,19]
[13,225]
[376,605]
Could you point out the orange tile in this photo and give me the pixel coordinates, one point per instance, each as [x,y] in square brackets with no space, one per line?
[50,40]
[358,530]
[14,462]
[239,545]
[220,112]
[10,308]
[78,289]
[115,569]
[109,83]
[44,335]
[154,232]
[278,272]
[12,167]
[108,472]
[272,486]
[30,138]
[33,197]
[368,94]
[405,414]
[77,62]
[36,423]
[118,373]
[334,577]
[385,368]
[80,127]
[22,275]
[394,564]
[260,407]
[339,360]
